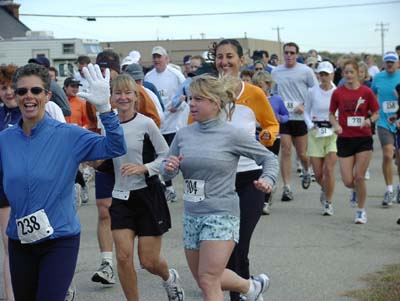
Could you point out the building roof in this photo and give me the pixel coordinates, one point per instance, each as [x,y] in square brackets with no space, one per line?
[10,26]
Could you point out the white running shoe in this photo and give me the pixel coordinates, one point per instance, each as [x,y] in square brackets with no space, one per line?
[78,200]
[367,175]
[361,217]
[322,197]
[174,289]
[105,274]
[261,284]
[70,296]
[85,194]
[266,209]
[170,195]
[328,209]
[388,199]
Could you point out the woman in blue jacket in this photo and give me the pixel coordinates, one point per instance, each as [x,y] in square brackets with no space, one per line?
[39,158]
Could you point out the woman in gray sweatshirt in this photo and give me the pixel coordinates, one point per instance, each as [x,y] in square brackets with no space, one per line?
[207,153]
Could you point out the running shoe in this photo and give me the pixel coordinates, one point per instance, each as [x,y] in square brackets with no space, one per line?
[328,209]
[170,195]
[361,217]
[174,289]
[261,284]
[287,195]
[87,174]
[78,200]
[387,199]
[70,296]
[306,181]
[353,199]
[367,175]
[85,195]
[312,175]
[322,197]
[266,209]
[299,167]
[105,274]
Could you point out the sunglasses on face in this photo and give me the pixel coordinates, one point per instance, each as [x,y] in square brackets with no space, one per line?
[259,69]
[290,52]
[34,91]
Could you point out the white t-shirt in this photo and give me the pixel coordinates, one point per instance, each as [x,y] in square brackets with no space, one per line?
[167,84]
[373,70]
[54,111]
[316,106]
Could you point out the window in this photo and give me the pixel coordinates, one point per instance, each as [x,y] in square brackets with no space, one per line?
[68,48]
[93,48]
[66,69]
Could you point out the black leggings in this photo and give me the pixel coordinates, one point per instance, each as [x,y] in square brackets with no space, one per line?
[251,204]
[275,149]
[169,138]
[43,271]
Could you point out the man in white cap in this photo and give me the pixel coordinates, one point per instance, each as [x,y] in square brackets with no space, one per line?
[167,80]
[383,85]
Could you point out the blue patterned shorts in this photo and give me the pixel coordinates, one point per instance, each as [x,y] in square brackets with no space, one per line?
[209,227]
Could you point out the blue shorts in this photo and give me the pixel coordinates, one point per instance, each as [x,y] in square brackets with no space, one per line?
[209,227]
[104,185]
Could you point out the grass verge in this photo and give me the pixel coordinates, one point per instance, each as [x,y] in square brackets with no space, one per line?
[383,285]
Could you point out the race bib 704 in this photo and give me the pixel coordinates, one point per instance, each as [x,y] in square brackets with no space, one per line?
[193,190]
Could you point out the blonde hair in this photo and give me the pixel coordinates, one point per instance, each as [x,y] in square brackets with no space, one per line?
[218,90]
[123,82]
[263,77]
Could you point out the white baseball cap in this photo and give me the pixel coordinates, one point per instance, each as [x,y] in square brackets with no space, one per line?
[159,50]
[325,66]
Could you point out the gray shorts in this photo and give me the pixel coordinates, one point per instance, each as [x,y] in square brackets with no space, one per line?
[385,136]
[209,227]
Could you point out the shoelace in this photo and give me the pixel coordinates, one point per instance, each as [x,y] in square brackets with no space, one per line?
[173,292]
[106,268]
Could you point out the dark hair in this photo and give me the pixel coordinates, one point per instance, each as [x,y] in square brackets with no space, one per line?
[109,59]
[54,69]
[32,69]
[265,52]
[247,72]
[213,50]
[397,47]
[83,59]
[108,55]
[292,44]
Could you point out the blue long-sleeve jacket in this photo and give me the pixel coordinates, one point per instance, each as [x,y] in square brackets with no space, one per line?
[38,171]
[279,108]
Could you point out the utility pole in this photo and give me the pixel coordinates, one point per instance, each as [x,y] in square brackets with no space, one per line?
[278,30]
[382,27]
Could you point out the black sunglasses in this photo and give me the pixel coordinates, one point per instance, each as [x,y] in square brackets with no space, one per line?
[290,52]
[34,91]
[259,69]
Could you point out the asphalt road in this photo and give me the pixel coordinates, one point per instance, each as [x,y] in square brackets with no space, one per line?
[307,256]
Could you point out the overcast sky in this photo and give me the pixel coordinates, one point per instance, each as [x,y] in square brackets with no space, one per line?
[346,29]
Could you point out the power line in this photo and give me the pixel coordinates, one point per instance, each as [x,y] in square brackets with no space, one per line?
[270,11]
